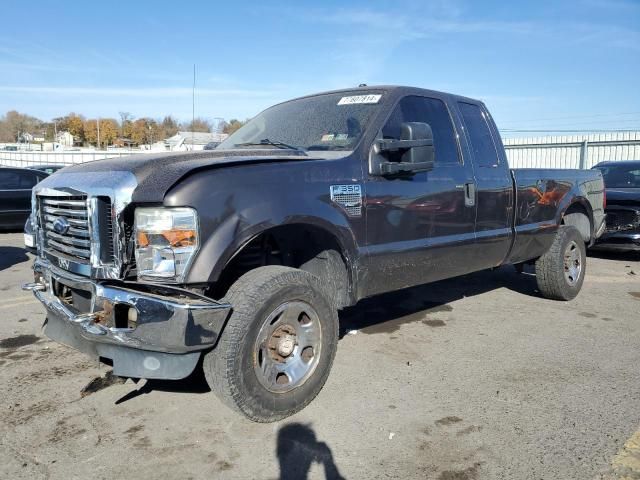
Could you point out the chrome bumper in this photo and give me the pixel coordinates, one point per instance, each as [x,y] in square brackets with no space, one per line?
[166,339]
[619,241]
[600,231]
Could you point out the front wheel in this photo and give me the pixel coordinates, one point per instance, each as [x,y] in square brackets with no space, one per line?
[560,271]
[278,346]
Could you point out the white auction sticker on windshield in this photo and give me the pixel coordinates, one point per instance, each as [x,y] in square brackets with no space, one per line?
[355,99]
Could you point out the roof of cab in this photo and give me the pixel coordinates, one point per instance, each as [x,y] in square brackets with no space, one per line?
[399,90]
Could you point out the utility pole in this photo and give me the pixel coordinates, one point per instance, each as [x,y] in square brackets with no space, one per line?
[98,126]
[193,107]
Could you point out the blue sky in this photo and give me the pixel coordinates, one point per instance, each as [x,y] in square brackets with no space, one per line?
[540,64]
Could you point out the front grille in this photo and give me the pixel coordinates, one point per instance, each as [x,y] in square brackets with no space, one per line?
[74,241]
[619,220]
[105,229]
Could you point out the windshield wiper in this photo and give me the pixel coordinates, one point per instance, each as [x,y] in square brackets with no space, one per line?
[266,141]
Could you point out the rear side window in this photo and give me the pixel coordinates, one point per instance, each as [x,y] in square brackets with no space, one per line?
[13,180]
[427,110]
[479,135]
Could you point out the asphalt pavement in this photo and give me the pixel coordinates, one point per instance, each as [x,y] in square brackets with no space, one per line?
[471,378]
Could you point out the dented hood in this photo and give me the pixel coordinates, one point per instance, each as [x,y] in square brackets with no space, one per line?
[157,173]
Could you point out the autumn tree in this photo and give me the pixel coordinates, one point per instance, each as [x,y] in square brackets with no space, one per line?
[232,125]
[126,122]
[6,132]
[108,131]
[168,127]
[72,123]
[146,131]
[50,129]
[13,124]
[198,125]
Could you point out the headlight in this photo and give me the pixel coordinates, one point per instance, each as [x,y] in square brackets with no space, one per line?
[166,241]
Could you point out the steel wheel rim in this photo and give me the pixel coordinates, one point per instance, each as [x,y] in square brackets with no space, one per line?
[572,263]
[288,346]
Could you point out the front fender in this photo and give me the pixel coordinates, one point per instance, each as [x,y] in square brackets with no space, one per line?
[236,231]
[235,205]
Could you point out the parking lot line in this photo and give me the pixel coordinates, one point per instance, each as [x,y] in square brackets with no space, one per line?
[626,464]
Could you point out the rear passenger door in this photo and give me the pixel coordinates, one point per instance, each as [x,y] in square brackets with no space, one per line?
[494,184]
[420,228]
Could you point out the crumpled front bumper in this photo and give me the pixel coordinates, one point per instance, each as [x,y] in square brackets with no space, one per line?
[170,329]
[625,240]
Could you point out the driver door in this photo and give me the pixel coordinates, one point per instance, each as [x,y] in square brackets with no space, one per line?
[420,225]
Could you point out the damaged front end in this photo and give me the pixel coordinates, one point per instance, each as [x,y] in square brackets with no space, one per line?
[623,229]
[95,302]
[143,330]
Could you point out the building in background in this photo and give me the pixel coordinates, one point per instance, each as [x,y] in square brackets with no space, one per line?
[65,139]
[31,137]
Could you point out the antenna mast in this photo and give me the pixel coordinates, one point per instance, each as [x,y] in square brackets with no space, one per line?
[193,108]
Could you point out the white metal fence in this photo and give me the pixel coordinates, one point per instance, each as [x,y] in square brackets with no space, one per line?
[569,151]
[26,158]
[572,151]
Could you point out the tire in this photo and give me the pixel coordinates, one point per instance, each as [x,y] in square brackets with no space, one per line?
[560,271]
[278,345]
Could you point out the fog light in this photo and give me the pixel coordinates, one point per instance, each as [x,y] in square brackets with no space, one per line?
[132,317]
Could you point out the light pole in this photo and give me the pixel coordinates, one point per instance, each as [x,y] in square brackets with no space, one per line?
[219,126]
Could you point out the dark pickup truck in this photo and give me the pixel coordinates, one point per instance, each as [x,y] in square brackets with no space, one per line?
[242,256]
[622,184]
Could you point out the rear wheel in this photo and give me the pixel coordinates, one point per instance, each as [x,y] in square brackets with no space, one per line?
[560,271]
[278,346]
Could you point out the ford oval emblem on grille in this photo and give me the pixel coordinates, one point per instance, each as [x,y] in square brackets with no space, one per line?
[61,226]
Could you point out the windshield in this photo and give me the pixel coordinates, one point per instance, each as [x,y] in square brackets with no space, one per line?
[333,121]
[621,176]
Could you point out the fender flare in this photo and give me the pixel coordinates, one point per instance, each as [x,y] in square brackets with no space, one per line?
[236,231]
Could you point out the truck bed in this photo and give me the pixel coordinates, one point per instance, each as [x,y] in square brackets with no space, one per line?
[541,197]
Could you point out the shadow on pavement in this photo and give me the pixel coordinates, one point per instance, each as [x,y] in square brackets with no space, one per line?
[298,448]
[194,383]
[385,313]
[613,255]
[10,256]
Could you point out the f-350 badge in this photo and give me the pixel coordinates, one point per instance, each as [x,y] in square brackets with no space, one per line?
[348,197]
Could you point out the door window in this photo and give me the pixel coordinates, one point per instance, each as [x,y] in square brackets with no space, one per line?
[479,135]
[14,180]
[431,111]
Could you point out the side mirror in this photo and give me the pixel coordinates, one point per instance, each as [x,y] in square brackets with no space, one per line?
[414,152]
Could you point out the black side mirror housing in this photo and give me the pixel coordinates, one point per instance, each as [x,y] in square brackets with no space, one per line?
[414,152]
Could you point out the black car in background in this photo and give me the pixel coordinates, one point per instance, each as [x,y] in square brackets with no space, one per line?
[15,195]
[48,169]
[622,183]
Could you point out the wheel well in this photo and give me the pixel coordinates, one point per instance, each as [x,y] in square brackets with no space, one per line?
[306,247]
[578,216]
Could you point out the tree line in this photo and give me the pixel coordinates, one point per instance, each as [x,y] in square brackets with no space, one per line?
[111,131]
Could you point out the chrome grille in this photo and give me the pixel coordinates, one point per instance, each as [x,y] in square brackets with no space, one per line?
[75,241]
[619,219]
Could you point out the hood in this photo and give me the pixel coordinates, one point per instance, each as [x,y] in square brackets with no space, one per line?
[623,196]
[155,174]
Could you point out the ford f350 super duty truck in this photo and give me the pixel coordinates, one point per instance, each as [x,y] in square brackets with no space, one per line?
[241,257]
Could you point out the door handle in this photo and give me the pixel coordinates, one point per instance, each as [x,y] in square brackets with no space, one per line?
[469,194]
